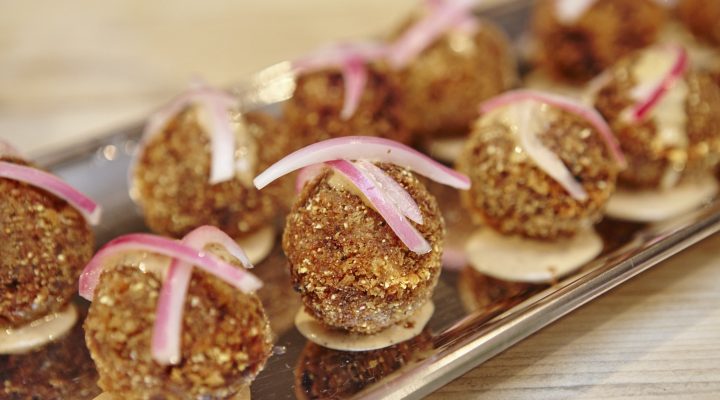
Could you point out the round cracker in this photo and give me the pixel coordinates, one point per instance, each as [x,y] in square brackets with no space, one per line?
[336,339]
[519,259]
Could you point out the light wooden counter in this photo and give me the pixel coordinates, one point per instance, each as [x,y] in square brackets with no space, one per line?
[71,69]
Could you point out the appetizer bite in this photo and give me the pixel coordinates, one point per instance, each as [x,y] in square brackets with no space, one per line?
[578,39]
[363,240]
[46,241]
[158,329]
[542,169]
[663,114]
[449,61]
[195,165]
[346,88]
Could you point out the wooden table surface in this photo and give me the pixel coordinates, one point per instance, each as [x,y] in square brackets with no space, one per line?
[70,70]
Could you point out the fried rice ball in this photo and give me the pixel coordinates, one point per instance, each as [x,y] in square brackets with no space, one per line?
[653,160]
[511,194]
[701,17]
[313,112]
[46,243]
[226,337]
[171,185]
[447,81]
[578,50]
[322,373]
[352,271]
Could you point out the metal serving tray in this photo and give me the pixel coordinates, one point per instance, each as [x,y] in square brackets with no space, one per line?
[456,340]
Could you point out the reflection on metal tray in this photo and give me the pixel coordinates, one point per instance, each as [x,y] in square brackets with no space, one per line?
[475,318]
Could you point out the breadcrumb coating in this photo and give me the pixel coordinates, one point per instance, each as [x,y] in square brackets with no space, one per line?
[607,31]
[226,337]
[352,271]
[45,245]
[649,158]
[313,113]
[171,182]
[445,84]
[513,195]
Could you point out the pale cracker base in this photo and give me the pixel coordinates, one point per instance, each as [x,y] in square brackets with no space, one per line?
[339,340]
[659,205]
[518,259]
[39,332]
[258,244]
[445,149]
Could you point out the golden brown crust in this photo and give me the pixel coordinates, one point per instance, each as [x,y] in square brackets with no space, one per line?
[313,113]
[512,194]
[324,373]
[226,337]
[610,29]
[351,269]
[701,17]
[172,187]
[649,159]
[46,243]
[445,84]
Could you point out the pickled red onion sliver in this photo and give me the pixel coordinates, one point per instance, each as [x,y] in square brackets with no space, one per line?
[640,110]
[168,317]
[384,206]
[567,104]
[392,190]
[351,59]
[363,148]
[215,105]
[548,161]
[168,247]
[443,16]
[355,77]
[52,184]
[6,149]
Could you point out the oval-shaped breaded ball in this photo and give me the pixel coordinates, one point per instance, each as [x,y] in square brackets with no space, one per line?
[171,179]
[578,50]
[660,154]
[226,337]
[445,83]
[513,195]
[351,269]
[46,243]
[313,112]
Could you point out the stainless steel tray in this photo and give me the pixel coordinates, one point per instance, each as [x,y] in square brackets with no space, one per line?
[456,339]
